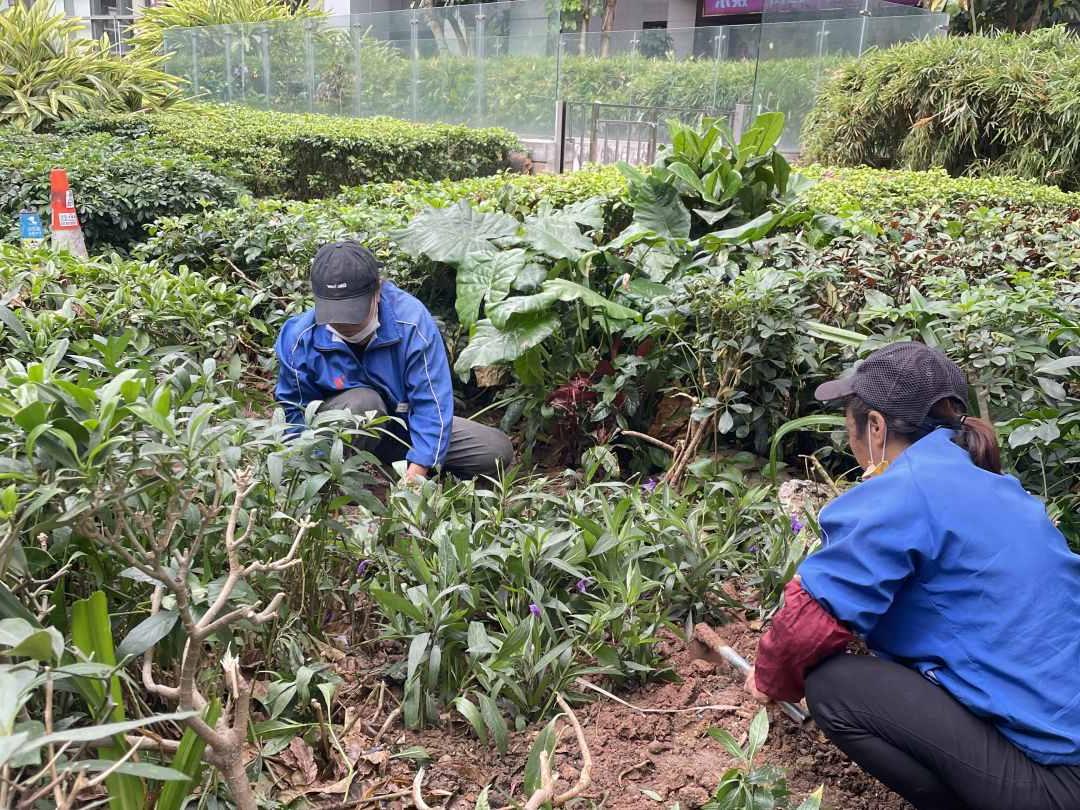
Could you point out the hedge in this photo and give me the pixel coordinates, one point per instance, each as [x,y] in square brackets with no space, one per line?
[1003,105]
[119,186]
[309,156]
[841,190]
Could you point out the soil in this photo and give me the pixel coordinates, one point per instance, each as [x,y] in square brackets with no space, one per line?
[639,761]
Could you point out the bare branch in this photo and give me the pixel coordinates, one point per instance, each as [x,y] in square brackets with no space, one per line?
[152,686]
[288,560]
[270,611]
[585,776]
[546,791]
[417,792]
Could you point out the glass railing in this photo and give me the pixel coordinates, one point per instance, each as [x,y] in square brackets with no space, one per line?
[503,64]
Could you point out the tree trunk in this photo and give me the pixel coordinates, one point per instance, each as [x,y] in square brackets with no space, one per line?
[607,25]
[585,29]
[236,778]
[458,27]
[433,25]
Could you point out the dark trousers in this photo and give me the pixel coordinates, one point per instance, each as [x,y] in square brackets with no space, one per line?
[915,738]
[475,449]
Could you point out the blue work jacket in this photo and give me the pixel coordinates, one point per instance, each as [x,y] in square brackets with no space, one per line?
[405,362]
[960,574]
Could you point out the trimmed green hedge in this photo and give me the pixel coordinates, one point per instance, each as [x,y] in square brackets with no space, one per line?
[309,156]
[841,190]
[119,186]
[1004,105]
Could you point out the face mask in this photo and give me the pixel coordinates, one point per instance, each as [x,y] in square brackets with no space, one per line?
[876,468]
[362,335]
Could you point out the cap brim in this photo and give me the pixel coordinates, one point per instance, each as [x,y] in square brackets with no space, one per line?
[835,390]
[343,310]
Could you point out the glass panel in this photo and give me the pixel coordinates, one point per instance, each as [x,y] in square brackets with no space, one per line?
[506,64]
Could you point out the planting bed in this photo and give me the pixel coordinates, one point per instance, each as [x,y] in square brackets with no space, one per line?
[639,761]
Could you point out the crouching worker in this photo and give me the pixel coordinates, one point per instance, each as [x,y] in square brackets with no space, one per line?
[962,588]
[369,346]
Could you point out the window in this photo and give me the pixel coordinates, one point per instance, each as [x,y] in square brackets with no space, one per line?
[112,19]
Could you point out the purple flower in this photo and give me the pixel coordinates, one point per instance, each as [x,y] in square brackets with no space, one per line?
[534,609]
[582,585]
[753,549]
[796,524]
[362,568]
[650,484]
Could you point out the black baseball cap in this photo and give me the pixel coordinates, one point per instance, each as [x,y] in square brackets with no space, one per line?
[344,279]
[903,380]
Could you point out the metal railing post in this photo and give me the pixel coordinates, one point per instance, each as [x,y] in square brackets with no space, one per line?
[358,71]
[414,40]
[195,61]
[481,69]
[560,136]
[228,65]
[864,12]
[309,65]
[594,122]
[265,48]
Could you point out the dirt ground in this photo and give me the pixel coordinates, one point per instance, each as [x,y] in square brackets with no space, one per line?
[640,761]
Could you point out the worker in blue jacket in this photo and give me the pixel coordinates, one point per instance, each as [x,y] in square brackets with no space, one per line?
[368,346]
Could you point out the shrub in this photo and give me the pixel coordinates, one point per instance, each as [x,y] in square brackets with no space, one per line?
[267,245]
[874,191]
[51,75]
[119,186]
[151,24]
[46,297]
[307,156]
[971,105]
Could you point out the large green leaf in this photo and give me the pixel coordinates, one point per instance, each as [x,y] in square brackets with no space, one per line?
[450,234]
[490,345]
[23,640]
[188,759]
[91,633]
[147,633]
[762,135]
[658,207]
[485,277]
[545,741]
[89,734]
[570,292]
[556,235]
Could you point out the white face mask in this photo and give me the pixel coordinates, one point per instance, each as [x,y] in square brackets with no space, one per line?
[362,335]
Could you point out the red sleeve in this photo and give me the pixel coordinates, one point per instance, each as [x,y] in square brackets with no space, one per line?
[802,634]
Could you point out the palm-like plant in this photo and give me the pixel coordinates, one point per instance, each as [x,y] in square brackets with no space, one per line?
[151,24]
[48,73]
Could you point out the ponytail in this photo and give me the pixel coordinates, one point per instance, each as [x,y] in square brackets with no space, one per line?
[977,436]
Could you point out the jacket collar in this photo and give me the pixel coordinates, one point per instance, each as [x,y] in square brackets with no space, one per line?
[386,335]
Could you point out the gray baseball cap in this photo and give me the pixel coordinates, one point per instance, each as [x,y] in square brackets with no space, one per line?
[905,380]
[344,280]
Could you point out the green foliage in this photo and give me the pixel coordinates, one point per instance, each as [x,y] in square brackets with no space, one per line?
[152,22]
[266,246]
[960,103]
[747,787]
[869,192]
[111,307]
[119,186]
[51,74]
[307,156]
[503,597]
[970,17]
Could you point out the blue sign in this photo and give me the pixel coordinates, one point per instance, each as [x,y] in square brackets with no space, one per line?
[30,226]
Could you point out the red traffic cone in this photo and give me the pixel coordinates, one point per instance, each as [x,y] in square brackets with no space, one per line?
[66,231]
